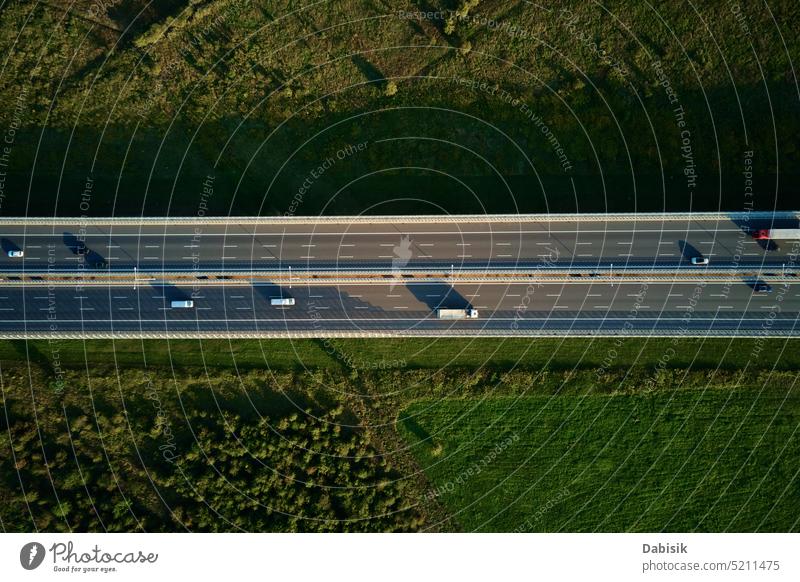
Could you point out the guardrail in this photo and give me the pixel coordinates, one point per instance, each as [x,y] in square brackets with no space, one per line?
[396,219]
[354,277]
[452,332]
[404,272]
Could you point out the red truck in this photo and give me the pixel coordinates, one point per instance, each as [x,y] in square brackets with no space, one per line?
[777,234]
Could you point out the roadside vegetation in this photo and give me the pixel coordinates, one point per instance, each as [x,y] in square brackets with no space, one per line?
[146,452]
[511,106]
[397,354]
[344,447]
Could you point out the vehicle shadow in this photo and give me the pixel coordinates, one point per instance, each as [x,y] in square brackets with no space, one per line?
[170,292]
[271,291]
[8,245]
[92,259]
[437,295]
[73,243]
[758,285]
[768,244]
[688,251]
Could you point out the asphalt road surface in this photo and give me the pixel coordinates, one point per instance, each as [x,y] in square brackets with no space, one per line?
[505,309]
[585,243]
[578,307]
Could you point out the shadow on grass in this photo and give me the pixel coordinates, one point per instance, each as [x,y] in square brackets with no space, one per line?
[28,351]
[156,170]
[411,424]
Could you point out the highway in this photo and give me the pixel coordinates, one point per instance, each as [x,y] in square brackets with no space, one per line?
[71,245]
[634,308]
[652,288]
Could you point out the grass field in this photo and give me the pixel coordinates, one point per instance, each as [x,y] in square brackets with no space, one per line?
[376,354]
[457,401]
[700,460]
[509,107]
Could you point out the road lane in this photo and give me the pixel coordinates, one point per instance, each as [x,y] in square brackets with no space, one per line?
[586,242]
[505,309]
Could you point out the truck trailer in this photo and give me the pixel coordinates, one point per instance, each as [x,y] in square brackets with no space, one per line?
[777,234]
[457,313]
[281,301]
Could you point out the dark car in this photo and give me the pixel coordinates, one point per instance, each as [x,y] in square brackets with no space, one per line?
[762,288]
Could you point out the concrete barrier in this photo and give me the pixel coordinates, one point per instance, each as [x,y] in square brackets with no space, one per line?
[394,334]
[397,219]
[574,277]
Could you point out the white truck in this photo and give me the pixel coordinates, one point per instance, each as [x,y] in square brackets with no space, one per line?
[778,234]
[282,301]
[457,313]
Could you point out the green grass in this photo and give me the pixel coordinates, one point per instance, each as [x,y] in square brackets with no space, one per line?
[556,353]
[454,416]
[237,89]
[694,460]
[214,354]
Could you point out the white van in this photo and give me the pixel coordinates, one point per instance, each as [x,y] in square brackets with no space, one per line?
[282,301]
[182,304]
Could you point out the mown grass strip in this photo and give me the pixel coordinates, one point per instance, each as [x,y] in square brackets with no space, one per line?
[377,354]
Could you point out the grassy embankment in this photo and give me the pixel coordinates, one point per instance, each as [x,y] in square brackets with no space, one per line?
[174,447]
[259,97]
[372,354]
